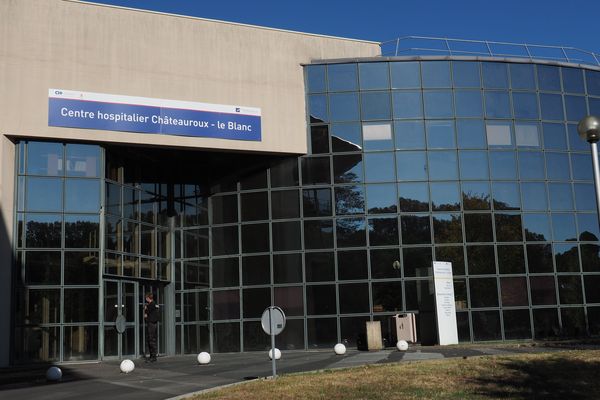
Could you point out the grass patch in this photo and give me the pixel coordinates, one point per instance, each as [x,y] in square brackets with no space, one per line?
[570,375]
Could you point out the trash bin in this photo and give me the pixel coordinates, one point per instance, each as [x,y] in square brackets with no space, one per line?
[406,327]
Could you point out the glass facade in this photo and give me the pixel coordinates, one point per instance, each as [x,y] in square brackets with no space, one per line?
[477,163]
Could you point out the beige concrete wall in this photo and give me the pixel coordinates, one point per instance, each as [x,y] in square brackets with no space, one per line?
[71,45]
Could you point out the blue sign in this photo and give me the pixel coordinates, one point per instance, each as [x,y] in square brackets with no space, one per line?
[145,115]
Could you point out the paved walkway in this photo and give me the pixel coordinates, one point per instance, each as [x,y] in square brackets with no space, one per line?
[175,376]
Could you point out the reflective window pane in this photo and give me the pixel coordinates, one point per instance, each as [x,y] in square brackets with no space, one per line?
[342,77]
[286,236]
[415,229]
[226,304]
[436,74]
[405,75]
[411,165]
[531,165]
[563,227]
[224,209]
[443,165]
[256,270]
[387,296]
[566,257]
[287,268]
[44,194]
[343,107]
[447,228]
[525,105]
[466,74]
[503,165]
[43,230]
[514,291]
[409,134]
[315,78]
[350,232]
[319,140]
[42,268]
[82,231]
[349,200]
[473,164]
[377,136]
[80,305]
[517,324]
[445,196]
[385,263]
[345,137]
[383,231]
[379,167]
[416,261]
[318,234]
[373,105]
[522,76]
[511,259]
[354,298]
[407,104]
[453,254]
[506,196]
[548,77]
[285,204]
[381,198]
[585,196]
[534,196]
[495,75]
[320,300]
[560,195]
[319,267]
[484,292]
[582,167]
[255,238]
[81,268]
[348,168]
[497,104]
[413,196]
[471,134]
[438,104]
[315,170]
[440,134]
[527,134]
[476,195]
[82,160]
[576,108]
[593,82]
[468,103]
[373,75]
[352,265]
[554,136]
[481,260]
[552,106]
[225,240]
[317,108]
[44,158]
[557,166]
[316,202]
[539,258]
[543,291]
[478,227]
[499,134]
[508,227]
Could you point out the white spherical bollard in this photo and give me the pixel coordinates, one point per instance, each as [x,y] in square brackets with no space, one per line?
[402,345]
[203,358]
[127,366]
[339,349]
[54,374]
[277,354]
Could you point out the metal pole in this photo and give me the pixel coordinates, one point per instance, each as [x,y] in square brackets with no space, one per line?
[272,343]
[596,176]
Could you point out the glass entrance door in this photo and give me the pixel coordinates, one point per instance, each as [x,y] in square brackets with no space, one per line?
[158,292]
[121,318]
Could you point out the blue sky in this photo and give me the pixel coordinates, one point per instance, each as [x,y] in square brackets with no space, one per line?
[550,22]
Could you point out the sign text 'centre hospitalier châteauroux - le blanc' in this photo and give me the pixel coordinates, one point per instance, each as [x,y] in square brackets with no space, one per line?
[72,109]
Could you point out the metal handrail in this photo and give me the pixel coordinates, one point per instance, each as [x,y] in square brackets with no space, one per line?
[562,53]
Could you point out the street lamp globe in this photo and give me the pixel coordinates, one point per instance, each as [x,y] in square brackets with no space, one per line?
[589,129]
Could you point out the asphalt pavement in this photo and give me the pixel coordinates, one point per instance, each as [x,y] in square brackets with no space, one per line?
[172,377]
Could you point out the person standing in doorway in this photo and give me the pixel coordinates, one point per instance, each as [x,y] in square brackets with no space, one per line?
[151,317]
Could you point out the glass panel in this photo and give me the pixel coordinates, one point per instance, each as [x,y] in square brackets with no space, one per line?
[255,301]
[478,227]
[582,167]
[419,294]
[503,165]
[411,165]
[557,166]
[195,306]
[415,229]
[506,196]
[349,200]
[471,133]
[548,77]
[545,322]
[348,168]
[44,158]
[466,74]
[440,134]
[225,240]
[225,272]
[374,75]
[42,268]
[497,104]
[531,165]
[438,104]
[285,173]
[409,134]
[443,165]
[285,204]
[316,202]
[321,332]
[378,136]
[319,142]
[80,343]
[593,82]
[318,234]
[563,226]
[195,243]
[585,196]
[508,227]
[385,263]
[44,194]
[287,268]
[315,170]
[226,337]
[319,267]
[82,195]
[436,74]
[527,134]
[291,300]
[576,108]
[413,196]
[82,231]
[473,164]
[226,304]
[196,338]
[320,299]
[317,108]
[476,195]
[381,198]
[342,77]
[522,76]
[373,105]
[255,238]
[495,75]
[80,305]
[534,196]
[499,133]
[514,291]
[554,136]
[83,160]
[354,298]
[569,289]
[481,260]
[468,103]
[588,227]
[286,236]
[511,259]
[561,197]
[352,265]
[256,270]
[224,209]
[417,262]
[344,107]
[453,254]
[486,325]
[345,137]
[445,196]
[573,322]
[542,289]
[566,257]
[315,78]
[407,104]
[405,75]
[592,294]
[351,232]
[552,106]
[517,324]
[81,268]
[43,230]
[590,257]
[539,258]
[447,228]
[35,307]
[484,292]
[525,105]
[379,167]
[352,331]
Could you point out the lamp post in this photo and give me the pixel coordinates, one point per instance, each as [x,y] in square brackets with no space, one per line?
[589,130]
